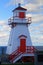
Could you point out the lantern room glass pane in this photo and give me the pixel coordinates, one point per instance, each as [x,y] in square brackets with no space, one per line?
[21,14]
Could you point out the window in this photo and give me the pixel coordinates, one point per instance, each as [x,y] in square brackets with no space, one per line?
[21,14]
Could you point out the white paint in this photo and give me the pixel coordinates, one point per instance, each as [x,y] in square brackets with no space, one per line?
[22,56]
[28,54]
[16,13]
[14,40]
[19,29]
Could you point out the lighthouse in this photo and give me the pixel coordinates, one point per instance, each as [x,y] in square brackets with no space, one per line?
[20,45]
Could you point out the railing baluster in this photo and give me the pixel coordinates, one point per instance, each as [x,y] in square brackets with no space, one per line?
[30,49]
[16,20]
[17,53]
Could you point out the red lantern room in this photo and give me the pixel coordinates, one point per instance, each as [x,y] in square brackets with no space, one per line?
[20,12]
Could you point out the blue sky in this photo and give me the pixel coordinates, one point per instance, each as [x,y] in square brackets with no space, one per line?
[34,9]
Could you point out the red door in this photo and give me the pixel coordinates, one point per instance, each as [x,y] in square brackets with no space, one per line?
[22,45]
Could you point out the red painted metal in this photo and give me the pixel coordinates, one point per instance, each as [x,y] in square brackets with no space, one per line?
[30,49]
[14,55]
[23,45]
[28,59]
[17,53]
[21,14]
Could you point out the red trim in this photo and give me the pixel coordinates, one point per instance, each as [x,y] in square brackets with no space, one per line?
[17,53]
[30,49]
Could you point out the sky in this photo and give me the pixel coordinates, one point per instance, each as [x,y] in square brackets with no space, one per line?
[34,9]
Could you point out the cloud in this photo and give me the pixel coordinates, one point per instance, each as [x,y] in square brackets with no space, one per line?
[34,6]
[30,1]
[36,33]
[30,4]
[6,28]
[36,28]
[14,2]
[4,37]
[37,39]
[2,23]
[4,41]
[3,34]
[35,17]
[40,2]
[31,7]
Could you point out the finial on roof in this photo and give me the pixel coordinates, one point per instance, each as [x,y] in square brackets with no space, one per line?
[19,4]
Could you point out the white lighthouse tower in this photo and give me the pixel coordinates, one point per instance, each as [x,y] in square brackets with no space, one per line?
[20,45]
